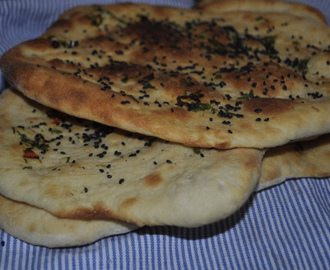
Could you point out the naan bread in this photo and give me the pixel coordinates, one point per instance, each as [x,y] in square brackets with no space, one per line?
[80,169]
[203,78]
[282,7]
[295,160]
[38,227]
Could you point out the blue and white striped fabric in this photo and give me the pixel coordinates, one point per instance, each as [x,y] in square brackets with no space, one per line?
[283,227]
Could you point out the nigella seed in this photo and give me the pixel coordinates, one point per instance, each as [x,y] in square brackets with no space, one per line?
[86,189]
[121,181]
[229,131]
[109,176]
[266,119]
[168,161]
[258,119]
[55,44]
[101,170]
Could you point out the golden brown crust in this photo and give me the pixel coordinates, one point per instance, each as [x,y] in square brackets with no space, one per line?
[182,75]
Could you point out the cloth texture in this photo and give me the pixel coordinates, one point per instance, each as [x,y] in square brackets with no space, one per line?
[283,227]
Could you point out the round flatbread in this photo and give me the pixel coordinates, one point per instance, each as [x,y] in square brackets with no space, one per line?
[38,227]
[79,169]
[300,159]
[203,78]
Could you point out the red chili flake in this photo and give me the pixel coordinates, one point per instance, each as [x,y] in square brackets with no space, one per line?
[56,121]
[30,154]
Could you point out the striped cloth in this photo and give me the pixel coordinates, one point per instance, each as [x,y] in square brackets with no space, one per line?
[283,227]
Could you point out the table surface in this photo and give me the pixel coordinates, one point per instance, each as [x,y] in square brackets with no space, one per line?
[283,227]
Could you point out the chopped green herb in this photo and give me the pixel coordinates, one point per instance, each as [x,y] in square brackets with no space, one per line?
[132,97]
[197,150]
[33,143]
[199,107]
[249,95]
[302,66]
[56,131]
[268,42]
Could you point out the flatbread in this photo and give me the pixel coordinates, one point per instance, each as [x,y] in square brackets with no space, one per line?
[300,159]
[37,227]
[293,8]
[203,78]
[79,169]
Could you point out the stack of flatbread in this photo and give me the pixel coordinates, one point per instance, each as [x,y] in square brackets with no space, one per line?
[133,115]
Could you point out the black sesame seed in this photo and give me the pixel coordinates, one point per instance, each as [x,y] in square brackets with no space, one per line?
[55,44]
[117,153]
